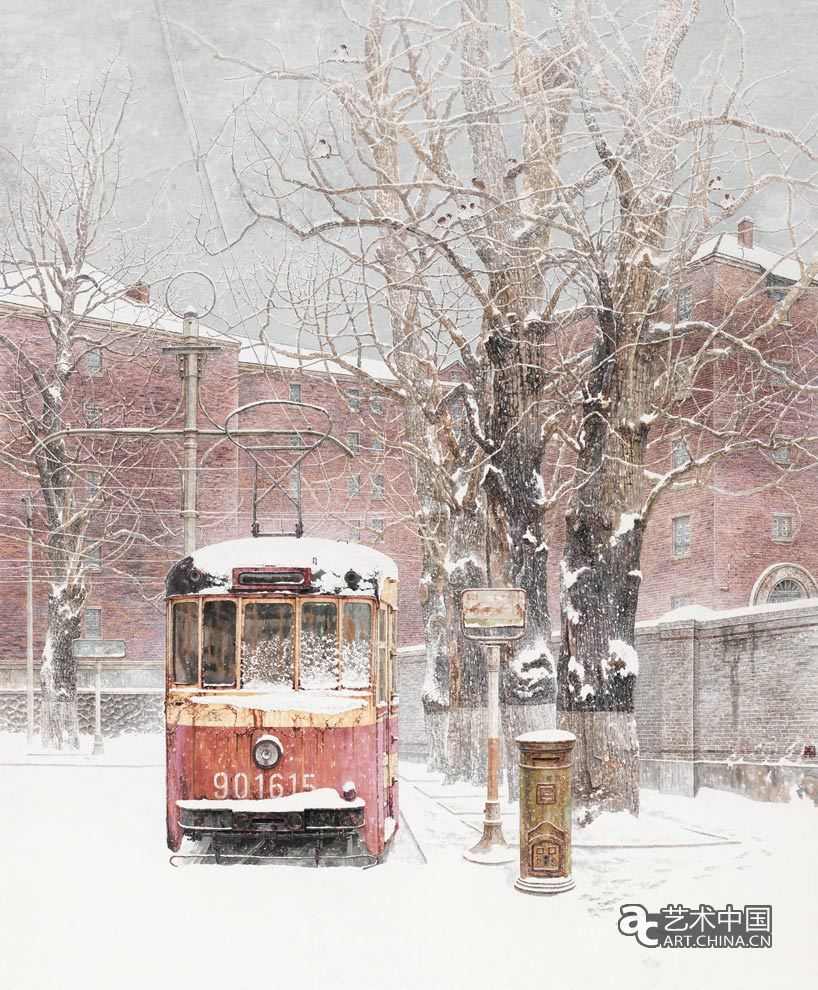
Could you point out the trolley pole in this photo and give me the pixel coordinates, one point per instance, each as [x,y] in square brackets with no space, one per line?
[29,622]
[189,511]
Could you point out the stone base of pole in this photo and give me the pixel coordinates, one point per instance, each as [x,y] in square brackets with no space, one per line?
[492,849]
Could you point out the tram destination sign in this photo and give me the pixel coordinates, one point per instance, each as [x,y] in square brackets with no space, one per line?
[493,608]
[98,649]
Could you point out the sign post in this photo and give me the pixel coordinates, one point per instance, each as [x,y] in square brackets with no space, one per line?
[494,617]
[99,650]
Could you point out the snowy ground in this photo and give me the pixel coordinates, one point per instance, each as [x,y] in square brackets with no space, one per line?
[89,900]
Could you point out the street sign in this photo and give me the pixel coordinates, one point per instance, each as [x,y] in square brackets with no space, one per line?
[99,649]
[485,609]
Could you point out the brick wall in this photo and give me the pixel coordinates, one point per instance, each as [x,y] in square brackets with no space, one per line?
[730,700]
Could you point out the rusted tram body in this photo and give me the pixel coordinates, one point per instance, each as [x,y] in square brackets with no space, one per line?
[281,703]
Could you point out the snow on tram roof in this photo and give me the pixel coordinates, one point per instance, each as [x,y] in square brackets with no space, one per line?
[329,560]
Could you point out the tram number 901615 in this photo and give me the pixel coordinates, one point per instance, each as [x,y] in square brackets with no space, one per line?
[242,786]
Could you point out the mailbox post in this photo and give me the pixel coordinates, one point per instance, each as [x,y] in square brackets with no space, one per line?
[545,811]
[494,617]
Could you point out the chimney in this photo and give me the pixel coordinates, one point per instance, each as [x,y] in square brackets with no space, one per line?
[140,292]
[745,232]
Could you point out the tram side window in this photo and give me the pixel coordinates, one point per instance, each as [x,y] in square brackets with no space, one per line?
[267,645]
[356,644]
[383,656]
[219,644]
[186,643]
[318,658]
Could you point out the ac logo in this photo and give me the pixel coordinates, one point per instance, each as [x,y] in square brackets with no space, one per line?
[635,920]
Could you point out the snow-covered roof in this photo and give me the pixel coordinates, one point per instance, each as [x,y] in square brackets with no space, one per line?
[286,358]
[728,246]
[93,306]
[329,560]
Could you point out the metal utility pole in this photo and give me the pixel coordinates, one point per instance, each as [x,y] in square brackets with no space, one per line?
[29,622]
[191,396]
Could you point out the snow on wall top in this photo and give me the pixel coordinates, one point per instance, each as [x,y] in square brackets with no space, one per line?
[331,562]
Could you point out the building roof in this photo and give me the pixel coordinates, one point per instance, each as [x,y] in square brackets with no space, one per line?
[283,357]
[94,307]
[729,248]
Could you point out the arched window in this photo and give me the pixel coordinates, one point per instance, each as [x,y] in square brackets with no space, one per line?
[786,591]
[783,583]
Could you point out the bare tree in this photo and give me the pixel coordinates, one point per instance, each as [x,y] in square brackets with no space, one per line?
[60,334]
[550,277]
[676,171]
[374,171]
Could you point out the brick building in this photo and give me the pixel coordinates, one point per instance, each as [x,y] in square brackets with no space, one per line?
[741,534]
[741,537]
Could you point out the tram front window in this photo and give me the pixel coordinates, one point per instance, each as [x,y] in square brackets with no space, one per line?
[186,643]
[319,645]
[219,644]
[356,644]
[267,645]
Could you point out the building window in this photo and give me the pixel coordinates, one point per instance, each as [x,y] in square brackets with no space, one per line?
[684,304]
[786,591]
[681,601]
[680,455]
[377,526]
[782,371]
[295,441]
[376,404]
[377,445]
[295,392]
[353,442]
[93,360]
[781,450]
[782,527]
[93,558]
[354,485]
[681,536]
[354,399]
[378,483]
[354,532]
[682,383]
[777,287]
[92,482]
[93,416]
[93,623]
[295,485]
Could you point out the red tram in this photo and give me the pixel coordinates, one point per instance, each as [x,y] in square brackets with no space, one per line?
[281,705]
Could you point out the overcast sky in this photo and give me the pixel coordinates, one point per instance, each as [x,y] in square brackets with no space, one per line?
[62,42]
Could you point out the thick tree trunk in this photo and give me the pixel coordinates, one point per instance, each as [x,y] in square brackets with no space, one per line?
[515,494]
[600,576]
[59,720]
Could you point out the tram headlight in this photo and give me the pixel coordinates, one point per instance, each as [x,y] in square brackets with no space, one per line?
[267,751]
